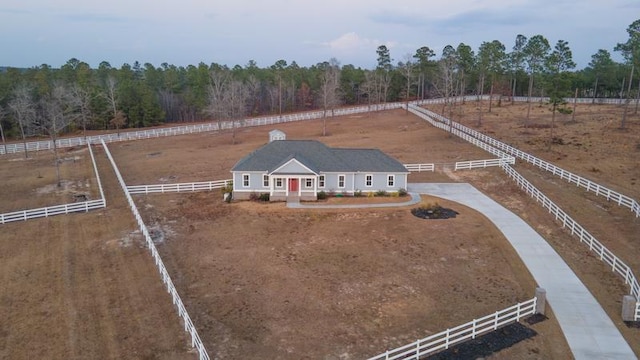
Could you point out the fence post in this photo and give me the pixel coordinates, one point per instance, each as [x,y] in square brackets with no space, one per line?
[541,299]
[628,308]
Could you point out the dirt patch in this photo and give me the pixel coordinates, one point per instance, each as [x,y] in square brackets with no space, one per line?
[83,286]
[31,183]
[282,283]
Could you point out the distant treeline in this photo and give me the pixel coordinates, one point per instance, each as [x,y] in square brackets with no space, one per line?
[43,100]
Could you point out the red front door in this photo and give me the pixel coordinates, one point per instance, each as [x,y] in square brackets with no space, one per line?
[293,185]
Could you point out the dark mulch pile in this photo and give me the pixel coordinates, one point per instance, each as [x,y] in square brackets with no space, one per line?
[487,344]
[434,212]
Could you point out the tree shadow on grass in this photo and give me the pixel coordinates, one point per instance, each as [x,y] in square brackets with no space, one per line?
[490,343]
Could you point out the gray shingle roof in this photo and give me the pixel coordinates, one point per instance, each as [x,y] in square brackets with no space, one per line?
[318,157]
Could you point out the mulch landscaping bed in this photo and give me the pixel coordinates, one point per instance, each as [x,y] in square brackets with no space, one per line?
[434,212]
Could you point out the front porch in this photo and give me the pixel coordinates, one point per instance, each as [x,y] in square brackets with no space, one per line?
[293,188]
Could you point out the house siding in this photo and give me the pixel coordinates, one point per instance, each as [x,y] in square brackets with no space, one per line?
[255,182]
[357,182]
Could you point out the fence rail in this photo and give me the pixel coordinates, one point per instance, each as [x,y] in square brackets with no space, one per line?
[420,167]
[95,169]
[265,120]
[617,265]
[84,206]
[478,164]
[182,187]
[445,124]
[599,190]
[192,129]
[196,342]
[51,211]
[445,339]
[604,254]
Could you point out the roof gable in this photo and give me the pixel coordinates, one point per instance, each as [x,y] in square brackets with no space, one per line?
[292,167]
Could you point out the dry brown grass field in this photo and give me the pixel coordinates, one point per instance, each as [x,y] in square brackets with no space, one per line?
[264,281]
[30,182]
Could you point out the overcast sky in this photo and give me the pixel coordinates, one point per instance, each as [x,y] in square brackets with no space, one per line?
[185,32]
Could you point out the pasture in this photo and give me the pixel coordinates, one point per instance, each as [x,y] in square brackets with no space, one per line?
[263,281]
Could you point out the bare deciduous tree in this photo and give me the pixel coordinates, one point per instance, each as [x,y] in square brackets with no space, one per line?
[80,99]
[371,87]
[24,111]
[407,71]
[445,84]
[54,116]
[118,121]
[2,115]
[216,107]
[329,89]
[236,97]
[228,99]
[111,94]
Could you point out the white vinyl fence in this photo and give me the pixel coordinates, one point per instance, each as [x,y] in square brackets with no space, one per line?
[450,337]
[95,169]
[617,265]
[192,129]
[420,167]
[196,342]
[182,187]
[604,254]
[479,164]
[611,195]
[265,120]
[607,101]
[534,99]
[84,206]
[51,211]
[444,124]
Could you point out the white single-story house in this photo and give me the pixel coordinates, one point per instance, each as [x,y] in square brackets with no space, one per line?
[299,169]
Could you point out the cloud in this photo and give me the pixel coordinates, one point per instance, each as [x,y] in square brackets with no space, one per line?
[400,18]
[481,19]
[351,42]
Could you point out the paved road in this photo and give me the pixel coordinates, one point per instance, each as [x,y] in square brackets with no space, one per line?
[590,333]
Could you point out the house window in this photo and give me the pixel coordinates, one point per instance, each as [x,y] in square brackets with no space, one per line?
[341,181]
[368,180]
[391,180]
[279,182]
[321,181]
[265,180]
[308,183]
[245,180]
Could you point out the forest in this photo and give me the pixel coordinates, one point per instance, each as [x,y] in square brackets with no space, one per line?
[46,101]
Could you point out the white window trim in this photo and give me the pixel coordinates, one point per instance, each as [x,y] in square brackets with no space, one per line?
[248,182]
[321,181]
[265,180]
[367,176]
[281,183]
[344,181]
[393,180]
[308,183]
